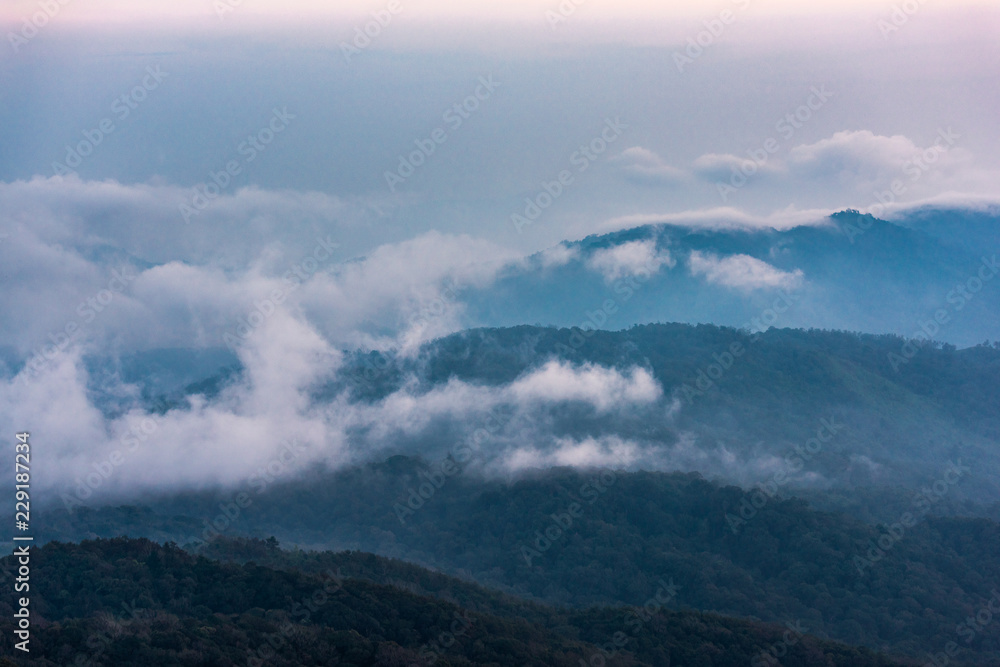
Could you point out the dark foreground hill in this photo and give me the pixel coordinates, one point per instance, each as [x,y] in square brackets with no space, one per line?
[132,602]
[907,586]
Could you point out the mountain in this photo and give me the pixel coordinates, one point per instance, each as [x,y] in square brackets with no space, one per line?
[900,418]
[132,602]
[605,537]
[900,413]
[850,272]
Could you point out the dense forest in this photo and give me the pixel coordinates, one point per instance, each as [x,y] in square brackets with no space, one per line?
[889,542]
[903,421]
[128,602]
[900,588]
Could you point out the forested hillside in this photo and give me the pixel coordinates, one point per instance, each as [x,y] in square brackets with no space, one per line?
[606,537]
[134,603]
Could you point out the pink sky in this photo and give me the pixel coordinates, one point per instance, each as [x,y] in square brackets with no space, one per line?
[127,10]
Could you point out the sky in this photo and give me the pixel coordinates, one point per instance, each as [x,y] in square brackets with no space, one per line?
[215,145]
[104,10]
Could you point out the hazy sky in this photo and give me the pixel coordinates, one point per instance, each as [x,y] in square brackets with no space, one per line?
[104,10]
[212,145]
[692,113]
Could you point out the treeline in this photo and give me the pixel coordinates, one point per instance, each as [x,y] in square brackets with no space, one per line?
[906,586]
[129,602]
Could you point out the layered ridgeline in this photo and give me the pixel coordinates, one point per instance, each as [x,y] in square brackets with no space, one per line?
[914,585]
[791,409]
[805,410]
[132,602]
[853,272]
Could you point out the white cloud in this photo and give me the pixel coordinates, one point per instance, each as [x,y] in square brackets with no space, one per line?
[722,166]
[629,259]
[410,287]
[606,452]
[864,161]
[223,441]
[247,427]
[643,166]
[144,219]
[946,200]
[209,275]
[742,272]
[604,388]
[724,218]
[558,255]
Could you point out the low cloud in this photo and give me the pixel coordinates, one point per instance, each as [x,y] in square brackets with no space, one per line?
[724,218]
[645,167]
[269,417]
[606,452]
[742,272]
[721,166]
[629,259]
[558,255]
[860,157]
[603,388]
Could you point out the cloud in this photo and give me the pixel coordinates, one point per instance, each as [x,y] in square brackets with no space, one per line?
[722,166]
[605,452]
[268,418]
[989,204]
[232,231]
[865,160]
[603,388]
[645,167]
[558,255]
[742,272]
[629,259]
[723,218]
[192,285]
[412,288]
[218,442]
[408,411]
